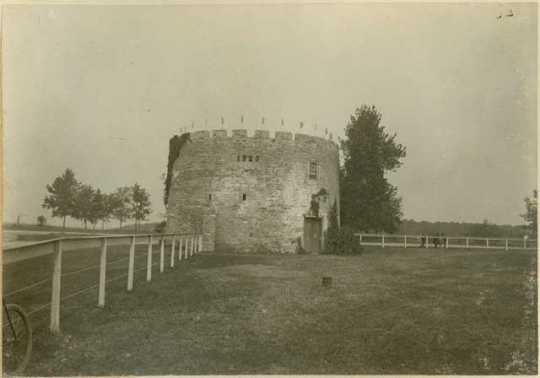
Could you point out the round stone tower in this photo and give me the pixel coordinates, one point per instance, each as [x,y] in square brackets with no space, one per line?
[256,193]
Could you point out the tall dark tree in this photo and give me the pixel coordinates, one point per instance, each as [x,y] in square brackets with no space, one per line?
[531,213]
[61,196]
[368,201]
[140,204]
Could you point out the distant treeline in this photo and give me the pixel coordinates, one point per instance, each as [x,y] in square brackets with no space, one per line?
[484,229]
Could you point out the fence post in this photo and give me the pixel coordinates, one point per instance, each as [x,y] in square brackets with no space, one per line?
[427,241]
[161,254]
[192,246]
[56,288]
[405,242]
[487,242]
[382,240]
[467,243]
[180,241]
[200,243]
[446,242]
[186,248]
[172,251]
[506,245]
[360,240]
[102,273]
[149,260]
[131,264]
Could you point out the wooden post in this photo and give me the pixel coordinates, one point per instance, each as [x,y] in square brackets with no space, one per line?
[192,245]
[56,288]
[446,242]
[186,248]
[467,243]
[427,241]
[180,241]
[149,260]
[506,245]
[487,243]
[161,254]
[172,251]
[102,273]
[131,267]
[382,240]
[360,240]
[200,243]
[405,241]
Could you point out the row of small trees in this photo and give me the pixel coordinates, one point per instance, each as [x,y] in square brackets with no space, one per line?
[67,197]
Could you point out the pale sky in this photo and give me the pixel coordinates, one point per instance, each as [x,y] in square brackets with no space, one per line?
[456,84]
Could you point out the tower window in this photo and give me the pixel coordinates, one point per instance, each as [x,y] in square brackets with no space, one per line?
[244,196]
[210,197]
[250,158]
[313,170]
[237,157]
[257,158]
[244,157]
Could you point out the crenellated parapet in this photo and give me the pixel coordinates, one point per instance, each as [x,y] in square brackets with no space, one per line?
[275,136]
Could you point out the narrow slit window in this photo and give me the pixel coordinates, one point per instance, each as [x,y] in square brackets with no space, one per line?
[313,170]
[250,157]
[210,197]
[244,158]
[244,196]
[237,157]
[257,158]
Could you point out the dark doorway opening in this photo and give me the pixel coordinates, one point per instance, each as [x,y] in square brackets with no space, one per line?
[312,234]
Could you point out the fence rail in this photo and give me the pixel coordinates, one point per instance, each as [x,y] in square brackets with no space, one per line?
[437,241]
[187,245]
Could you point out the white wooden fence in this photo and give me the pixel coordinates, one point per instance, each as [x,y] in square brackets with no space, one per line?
[406,241]
[188,245]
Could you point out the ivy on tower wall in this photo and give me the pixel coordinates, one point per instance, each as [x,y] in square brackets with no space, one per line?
[175,146]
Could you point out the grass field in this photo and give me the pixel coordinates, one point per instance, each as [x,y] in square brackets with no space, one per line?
[388,311]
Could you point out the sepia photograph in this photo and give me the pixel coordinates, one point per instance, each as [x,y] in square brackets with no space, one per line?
[257,188]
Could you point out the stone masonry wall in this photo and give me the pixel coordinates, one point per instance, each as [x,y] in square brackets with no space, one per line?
[210,179]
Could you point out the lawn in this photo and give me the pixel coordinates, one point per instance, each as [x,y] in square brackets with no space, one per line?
[389,311]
